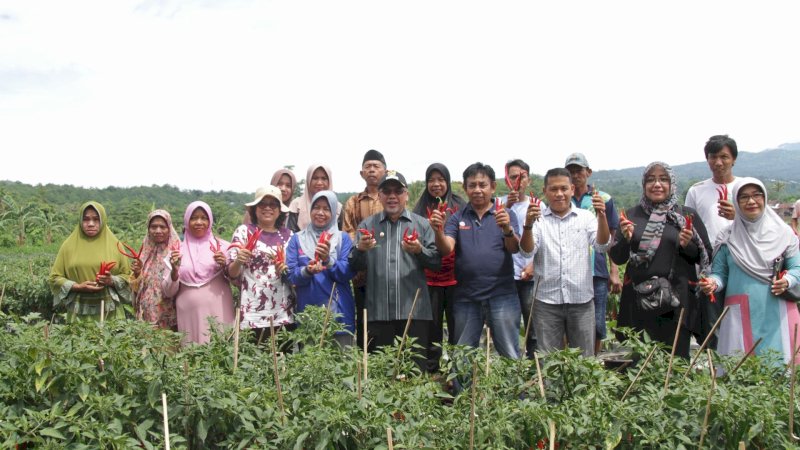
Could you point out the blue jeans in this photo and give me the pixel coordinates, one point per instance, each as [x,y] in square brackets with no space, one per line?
[502,315]
[600,303]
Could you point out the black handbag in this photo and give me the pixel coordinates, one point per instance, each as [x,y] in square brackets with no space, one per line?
[792,294]
[655,295]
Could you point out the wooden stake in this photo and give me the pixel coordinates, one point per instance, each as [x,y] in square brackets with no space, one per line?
[365,342]
[641,369]
[708,402]
[539,373]
[705,341]
[488,343]
[530,318]
[166,419]
[277,375]
[408,324]
[327,316]
[102,311]
[742,446]
[472,405]
[46,331]
[672,354]
[236,339]
[389,438]
[792,436]
[552,434]
[2,295]
[749,352]
[358,378]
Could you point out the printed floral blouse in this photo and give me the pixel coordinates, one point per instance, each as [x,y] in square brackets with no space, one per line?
[265,294]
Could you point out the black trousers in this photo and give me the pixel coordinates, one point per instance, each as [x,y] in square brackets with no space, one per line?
[383,333]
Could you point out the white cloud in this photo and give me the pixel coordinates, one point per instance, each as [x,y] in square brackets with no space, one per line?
[217,95]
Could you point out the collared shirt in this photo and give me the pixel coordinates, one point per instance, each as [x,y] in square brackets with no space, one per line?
[393,275]
[357,208]
[562,256]
[484,268]
[520,208]
[704,199]
[612,218]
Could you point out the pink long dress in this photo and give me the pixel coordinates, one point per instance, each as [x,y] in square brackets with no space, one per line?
[195,304]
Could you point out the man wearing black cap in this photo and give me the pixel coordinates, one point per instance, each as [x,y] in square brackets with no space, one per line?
[398,246]
[356,209]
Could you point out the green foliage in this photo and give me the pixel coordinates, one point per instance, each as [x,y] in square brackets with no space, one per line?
[23,283]
[87,385]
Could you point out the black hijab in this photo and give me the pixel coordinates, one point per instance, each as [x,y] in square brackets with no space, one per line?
[427,200]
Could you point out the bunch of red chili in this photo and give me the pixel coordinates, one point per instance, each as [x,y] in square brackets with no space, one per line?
[371,234]
[252,239]
[105,269]
[410,236]
[130,253]
[514,186]
[324,238]
[722,190]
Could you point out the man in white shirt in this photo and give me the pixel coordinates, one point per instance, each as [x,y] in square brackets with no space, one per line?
[796,216]
[706,197]
[563,303]
[711,199]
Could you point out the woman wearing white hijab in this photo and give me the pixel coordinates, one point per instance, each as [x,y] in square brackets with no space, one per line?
[743,266]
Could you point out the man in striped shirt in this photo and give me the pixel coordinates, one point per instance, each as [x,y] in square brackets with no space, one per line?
[562,258]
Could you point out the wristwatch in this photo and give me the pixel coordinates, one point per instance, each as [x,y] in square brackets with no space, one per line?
[509,234]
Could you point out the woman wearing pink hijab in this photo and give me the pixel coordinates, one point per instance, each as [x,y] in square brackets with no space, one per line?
[197,279]
[318,178]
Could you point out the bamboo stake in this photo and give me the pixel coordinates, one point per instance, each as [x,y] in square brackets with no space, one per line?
[236,339]
[166,419]
[488,343]
[46,331]
[539,373]
[705,341]
[749,352]
[472,405]
[672,354]
[102,311]
[365,342]
[277,375]
[792,436]
[327,316]
[408,324]
[641,369]
[708,402]
[742,446]
[389,438]
[530,318]
[2,295]
[358,378]
[552,434]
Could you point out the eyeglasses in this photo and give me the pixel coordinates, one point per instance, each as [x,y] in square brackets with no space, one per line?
[757,197]
[390,191]
[653,180]
[270,205]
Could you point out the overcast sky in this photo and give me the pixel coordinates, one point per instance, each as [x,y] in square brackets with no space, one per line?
[212,94]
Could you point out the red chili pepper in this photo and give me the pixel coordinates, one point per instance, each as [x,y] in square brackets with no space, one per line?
[722,190]
[131,253]
[215,246]
[689,224]
[533,199]
[252,239]
[410,237]
[176,246]
[324,238]
[280,255]
[498,205]
[622,216]
[105,269]
[711,297]
[367,233]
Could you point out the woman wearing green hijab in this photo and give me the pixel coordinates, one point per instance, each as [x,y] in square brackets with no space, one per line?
[74,278]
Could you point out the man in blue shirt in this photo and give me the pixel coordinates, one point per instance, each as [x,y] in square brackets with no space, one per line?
[604,280]
[484,240]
